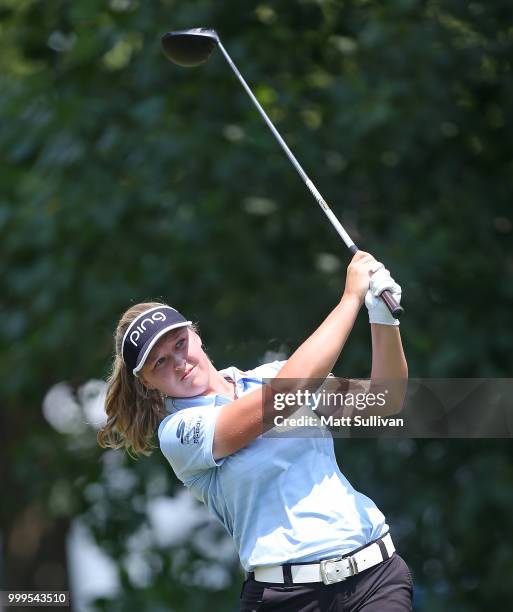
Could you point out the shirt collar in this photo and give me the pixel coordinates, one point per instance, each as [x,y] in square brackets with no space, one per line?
[215,399]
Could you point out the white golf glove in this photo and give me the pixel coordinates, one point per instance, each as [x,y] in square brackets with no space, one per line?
[379,281]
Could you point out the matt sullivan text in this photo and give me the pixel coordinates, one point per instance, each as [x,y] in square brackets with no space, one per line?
[331,421]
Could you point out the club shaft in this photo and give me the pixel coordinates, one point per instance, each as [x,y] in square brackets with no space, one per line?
[313,190]
[386,295]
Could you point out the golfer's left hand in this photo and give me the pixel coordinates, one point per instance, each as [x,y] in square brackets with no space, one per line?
[379,281]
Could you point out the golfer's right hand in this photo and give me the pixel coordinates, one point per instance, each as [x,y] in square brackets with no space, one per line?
[359,271]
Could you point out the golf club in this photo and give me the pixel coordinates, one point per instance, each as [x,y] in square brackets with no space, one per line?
[190,48]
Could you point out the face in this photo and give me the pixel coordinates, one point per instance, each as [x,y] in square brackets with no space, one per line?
[177,365]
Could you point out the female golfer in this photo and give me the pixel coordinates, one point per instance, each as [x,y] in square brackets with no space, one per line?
[305,537]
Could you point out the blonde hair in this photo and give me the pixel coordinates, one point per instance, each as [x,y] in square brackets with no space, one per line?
[133,411]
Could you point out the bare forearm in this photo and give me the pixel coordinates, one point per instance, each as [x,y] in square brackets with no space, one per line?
[388,360]
[316,357]
[389,368]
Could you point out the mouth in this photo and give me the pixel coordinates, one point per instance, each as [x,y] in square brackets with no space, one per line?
[187,373]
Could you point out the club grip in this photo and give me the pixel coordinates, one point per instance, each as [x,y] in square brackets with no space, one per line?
[396,309]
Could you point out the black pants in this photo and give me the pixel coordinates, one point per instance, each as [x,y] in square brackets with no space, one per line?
[386,587]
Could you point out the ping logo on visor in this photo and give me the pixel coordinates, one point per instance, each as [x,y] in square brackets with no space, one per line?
[135,335]
[144,331]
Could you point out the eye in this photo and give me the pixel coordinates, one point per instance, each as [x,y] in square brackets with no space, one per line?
[180,343]
[159,362]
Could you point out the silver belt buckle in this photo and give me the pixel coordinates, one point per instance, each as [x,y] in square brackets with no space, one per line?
[324,570]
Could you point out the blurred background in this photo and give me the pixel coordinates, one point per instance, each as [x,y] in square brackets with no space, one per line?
[125,178]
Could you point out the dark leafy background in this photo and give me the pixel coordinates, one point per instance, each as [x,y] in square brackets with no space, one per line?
[124,178]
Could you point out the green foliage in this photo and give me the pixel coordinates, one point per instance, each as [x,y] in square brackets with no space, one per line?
[126,178]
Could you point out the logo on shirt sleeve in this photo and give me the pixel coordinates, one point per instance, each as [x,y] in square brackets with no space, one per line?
[192,435]
[180,431]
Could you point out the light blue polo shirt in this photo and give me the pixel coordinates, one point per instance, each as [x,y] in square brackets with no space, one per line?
[281,499]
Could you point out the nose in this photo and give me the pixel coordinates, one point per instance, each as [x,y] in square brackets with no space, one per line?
[180,365]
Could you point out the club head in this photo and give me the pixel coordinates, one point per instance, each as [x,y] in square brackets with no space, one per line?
[189,48]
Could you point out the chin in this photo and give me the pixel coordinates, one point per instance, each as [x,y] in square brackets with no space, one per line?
[197,385]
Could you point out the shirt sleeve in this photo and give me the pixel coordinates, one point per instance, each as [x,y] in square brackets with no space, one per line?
[186,439]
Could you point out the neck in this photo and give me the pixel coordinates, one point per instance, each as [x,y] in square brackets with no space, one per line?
[220,385]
